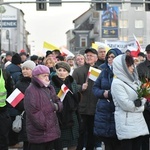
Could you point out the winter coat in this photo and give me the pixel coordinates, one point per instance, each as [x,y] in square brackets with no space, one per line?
[104,124]
[15,72]
[87,105]
[144,72]
[22,85]
[68,118]
[129,119]
[41,119]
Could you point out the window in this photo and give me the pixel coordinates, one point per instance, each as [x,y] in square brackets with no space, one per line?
[123,38]
[83,41]
[140,39]
[138,23]
[124,7]
[123,23]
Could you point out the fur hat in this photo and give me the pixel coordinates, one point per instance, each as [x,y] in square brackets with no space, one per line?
[16,59]
[28,64]
[40,69]
[64,65]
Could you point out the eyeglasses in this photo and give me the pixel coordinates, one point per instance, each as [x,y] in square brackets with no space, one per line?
[111,57]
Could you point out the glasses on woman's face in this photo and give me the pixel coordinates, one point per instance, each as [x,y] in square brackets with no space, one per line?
[111,57]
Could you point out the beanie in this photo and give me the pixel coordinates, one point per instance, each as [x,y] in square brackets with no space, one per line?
[28,64]
[16,59]
[40,69]
[64,65]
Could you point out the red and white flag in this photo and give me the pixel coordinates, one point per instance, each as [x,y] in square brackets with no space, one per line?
[15,97]
[135,50]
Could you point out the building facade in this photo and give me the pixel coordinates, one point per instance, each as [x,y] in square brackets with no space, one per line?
[13,35]
[117,23]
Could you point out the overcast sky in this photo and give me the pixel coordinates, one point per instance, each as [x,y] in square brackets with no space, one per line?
[50,25]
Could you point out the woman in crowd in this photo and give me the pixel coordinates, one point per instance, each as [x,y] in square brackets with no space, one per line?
[22,85]
[130,123]
[41,104]
[104,124]
[68,118]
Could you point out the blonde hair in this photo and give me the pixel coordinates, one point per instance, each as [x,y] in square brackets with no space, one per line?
[47,59]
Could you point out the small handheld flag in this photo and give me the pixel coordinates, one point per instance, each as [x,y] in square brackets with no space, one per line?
[15,97]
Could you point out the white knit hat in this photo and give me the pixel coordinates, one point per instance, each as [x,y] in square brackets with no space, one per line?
[28,64]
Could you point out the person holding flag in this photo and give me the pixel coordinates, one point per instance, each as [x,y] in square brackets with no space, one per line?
[88,103]
[104,124]
[67,90]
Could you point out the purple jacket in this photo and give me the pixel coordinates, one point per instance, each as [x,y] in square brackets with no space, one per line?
[41,119]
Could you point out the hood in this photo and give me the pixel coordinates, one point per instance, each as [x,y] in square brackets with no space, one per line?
[114,51]
[120,70]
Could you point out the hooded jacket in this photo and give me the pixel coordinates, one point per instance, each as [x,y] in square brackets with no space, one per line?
[129,119]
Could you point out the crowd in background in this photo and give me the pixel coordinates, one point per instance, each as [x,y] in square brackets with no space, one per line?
[106,110]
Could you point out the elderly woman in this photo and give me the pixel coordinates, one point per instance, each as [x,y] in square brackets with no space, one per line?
[130,123]
[68,118]
[41,104]
[104,124]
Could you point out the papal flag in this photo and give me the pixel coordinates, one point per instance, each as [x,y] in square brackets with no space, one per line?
[93,73]
[63,91]
[15,97]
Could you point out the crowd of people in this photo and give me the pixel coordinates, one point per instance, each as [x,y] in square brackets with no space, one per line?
[91,112]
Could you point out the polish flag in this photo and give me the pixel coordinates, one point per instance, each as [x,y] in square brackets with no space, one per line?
[15,97]
[135,50]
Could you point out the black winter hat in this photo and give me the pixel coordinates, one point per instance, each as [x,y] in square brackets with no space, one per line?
[34,57]
[64,65]
[147,48]
[16,59]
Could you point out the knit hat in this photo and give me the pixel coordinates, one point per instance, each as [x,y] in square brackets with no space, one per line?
[40,69]
[16,59]
[64,65]
[28,64]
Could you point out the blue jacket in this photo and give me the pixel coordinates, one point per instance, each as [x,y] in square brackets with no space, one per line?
[104,124]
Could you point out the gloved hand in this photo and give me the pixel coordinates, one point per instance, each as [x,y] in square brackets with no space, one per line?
[137,103]
[147,106]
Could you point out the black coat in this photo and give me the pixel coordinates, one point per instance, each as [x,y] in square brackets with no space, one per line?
[22,85]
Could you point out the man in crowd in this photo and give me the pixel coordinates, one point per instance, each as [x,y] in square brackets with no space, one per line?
[101,55]
[88,103]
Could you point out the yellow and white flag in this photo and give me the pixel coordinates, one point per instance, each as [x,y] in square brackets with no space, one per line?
[47,46]
[94,73]
[63,91]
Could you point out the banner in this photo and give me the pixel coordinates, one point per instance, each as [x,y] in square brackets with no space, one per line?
[110,22]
